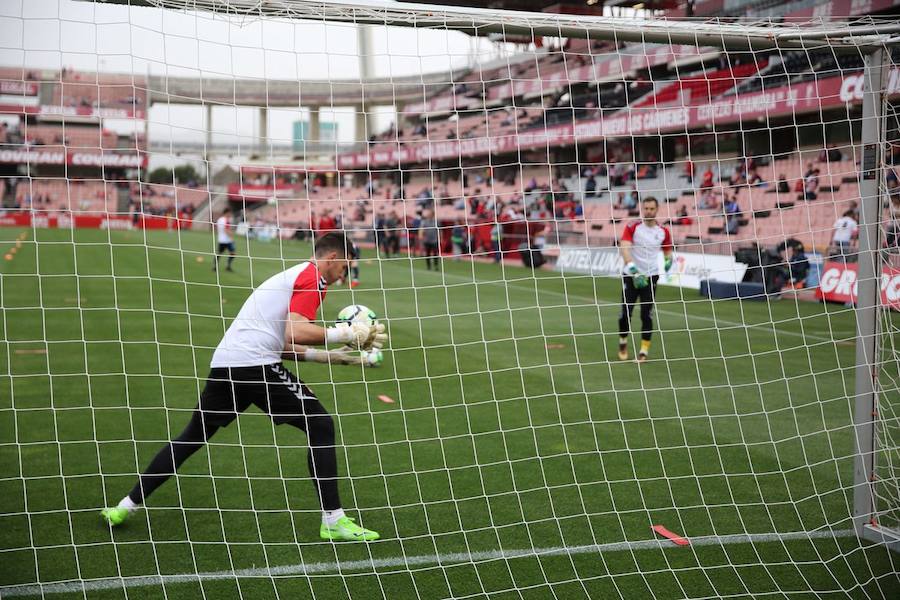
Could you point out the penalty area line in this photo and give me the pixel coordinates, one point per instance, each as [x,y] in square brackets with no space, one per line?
[393,562]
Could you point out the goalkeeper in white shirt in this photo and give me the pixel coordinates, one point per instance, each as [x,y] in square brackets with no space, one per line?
[641,244]
[276,322]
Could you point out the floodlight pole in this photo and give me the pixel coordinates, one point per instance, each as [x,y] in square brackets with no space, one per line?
[868,301]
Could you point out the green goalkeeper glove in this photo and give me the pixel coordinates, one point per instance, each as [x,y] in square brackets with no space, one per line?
[631,269]
[667,263]
[641,281]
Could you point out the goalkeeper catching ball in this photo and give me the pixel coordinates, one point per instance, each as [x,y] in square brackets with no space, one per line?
[276,322]
[641,244]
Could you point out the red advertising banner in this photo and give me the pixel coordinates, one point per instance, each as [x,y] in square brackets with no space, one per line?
[60,155]
[92,111]
[65,220]
[73,111]
[799,98]
[838,284]
[15,87]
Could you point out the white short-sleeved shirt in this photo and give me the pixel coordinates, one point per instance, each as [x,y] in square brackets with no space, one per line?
[647,242]
[844,228]
[223,230]
[256,337]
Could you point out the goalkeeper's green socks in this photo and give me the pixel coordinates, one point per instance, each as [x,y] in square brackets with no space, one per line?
[645,350]
[119,514]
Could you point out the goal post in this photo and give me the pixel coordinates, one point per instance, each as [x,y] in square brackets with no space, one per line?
[866,410]
[526,432]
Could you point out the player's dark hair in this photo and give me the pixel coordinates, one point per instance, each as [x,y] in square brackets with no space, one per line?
[652,199]
[332,241]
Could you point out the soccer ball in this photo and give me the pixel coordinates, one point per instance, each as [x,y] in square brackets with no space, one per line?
[357,312]
[374,357]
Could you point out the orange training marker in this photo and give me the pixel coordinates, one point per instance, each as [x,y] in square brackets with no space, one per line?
[676,539]
[8,257]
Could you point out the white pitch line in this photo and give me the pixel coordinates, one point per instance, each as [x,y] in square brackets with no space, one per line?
[374,564]
[685,315]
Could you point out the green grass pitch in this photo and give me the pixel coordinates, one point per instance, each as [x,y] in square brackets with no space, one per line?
[514,429]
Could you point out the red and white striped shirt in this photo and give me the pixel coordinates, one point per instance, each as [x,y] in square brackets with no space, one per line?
[647,243]
[256,337]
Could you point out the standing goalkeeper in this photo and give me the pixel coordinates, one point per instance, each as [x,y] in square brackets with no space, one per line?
[275,322]
[641,243]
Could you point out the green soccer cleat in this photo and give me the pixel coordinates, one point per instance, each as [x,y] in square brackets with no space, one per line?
[115,516]
[345,530]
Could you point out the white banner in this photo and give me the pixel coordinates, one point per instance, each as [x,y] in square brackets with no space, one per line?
[688,269]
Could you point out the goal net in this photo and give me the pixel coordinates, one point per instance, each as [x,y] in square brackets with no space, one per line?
[733,432]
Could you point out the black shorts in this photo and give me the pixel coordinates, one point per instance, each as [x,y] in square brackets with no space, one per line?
[227,246]
[631,294]
[275,390]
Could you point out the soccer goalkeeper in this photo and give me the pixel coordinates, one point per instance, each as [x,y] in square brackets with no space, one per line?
[641,243]
[275,322]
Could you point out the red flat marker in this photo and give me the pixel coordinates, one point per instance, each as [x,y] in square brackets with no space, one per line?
[676,539]
[386,399]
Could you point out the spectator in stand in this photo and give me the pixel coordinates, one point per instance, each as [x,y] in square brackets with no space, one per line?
[810,169]
[631,200]
[754,178]
[707,182]
[845,230]
[681,217]
[732,216]
[590,187]
[811,186]
[689,170]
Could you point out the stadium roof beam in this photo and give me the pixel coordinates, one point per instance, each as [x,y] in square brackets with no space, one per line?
[477,21]
[193,90]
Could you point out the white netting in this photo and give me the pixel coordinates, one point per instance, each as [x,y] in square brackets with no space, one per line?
[488,165]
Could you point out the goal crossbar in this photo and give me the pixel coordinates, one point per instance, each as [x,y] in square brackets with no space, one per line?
[857,36]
